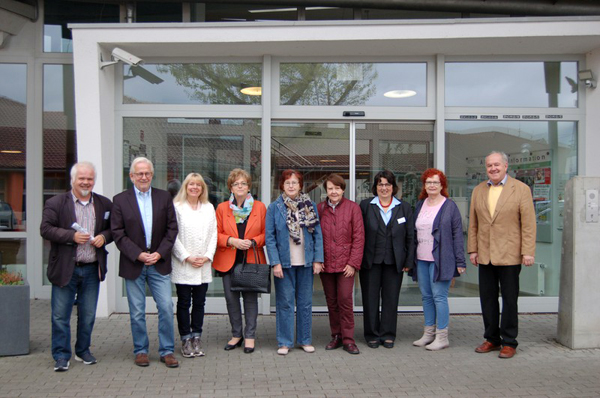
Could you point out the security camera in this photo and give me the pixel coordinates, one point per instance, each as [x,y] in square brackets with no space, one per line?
[122,55]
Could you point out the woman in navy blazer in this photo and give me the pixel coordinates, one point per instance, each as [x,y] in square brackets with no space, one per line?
[389,230]
[439,256]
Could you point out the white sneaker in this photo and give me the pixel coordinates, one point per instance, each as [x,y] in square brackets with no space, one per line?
[283,350]
[308,348]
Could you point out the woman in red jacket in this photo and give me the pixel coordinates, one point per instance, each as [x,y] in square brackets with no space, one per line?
[343,243]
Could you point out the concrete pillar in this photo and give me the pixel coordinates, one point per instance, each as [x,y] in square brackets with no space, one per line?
[578,309]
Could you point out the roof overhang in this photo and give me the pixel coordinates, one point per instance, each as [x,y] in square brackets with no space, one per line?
[503,36]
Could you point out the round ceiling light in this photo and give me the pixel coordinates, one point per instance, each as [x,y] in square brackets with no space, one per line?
[252,90]
[400,93]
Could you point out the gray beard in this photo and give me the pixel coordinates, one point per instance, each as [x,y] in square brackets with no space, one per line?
[85,192]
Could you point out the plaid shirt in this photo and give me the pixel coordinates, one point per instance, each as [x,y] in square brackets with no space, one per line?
[86,217]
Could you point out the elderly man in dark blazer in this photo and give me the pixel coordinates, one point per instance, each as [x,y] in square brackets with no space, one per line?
[144,226]
[77,224]
[502,235]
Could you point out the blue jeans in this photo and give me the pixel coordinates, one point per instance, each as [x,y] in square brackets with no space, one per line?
[296,285]
[435,295]
[84,283]
[160,287]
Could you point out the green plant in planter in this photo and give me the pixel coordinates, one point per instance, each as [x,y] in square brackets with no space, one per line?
[11,278]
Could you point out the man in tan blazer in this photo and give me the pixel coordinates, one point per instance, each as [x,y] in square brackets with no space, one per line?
[502,235]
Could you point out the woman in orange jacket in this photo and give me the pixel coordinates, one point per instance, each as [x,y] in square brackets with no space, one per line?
[240,223]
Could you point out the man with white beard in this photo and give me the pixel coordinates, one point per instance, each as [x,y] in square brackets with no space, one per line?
[77,224]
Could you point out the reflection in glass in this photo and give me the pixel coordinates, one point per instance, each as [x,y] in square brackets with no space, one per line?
[406,149]
[59,128]
[13,109]
[315,150]
[325,84]
[541,154]
[12,256]
[59,13]
[179,146]
[512,84]
[206,84]
[59,135]
[158,12]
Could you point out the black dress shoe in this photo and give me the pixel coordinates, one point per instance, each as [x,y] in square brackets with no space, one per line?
[388,344]
[229,347]
[248,350]
[373,343]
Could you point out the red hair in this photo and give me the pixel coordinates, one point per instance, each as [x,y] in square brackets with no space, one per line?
[287,174]
[430,173]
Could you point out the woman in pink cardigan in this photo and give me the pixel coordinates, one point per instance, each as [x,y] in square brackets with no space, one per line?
[343,243]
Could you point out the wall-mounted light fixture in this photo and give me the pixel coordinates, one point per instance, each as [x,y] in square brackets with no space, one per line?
[117,55]
[587,77]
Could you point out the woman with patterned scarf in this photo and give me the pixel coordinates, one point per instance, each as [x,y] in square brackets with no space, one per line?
[295,248]
[240,222]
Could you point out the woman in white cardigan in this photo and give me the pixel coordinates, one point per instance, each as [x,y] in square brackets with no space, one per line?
[192,259]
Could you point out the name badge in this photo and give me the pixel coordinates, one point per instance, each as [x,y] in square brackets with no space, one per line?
[401,220]
[106,215]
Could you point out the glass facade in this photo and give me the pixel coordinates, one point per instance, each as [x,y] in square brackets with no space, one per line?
[542,154]
[512,84]
[202,84]
[13,130]
[59,139]
[179,146]
[370,84]
[59,13]
[158,12]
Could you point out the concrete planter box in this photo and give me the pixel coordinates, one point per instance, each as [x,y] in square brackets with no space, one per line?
[14,316]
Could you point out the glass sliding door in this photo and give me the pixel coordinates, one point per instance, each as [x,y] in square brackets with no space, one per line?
[319,149]
[406,149]
[315,150]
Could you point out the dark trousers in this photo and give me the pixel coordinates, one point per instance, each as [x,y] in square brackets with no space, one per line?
[234,310]
[380,284]
[338,293]
[492,280]
[194,295]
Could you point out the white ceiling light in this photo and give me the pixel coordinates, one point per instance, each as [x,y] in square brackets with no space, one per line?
[289,9]
[400,93]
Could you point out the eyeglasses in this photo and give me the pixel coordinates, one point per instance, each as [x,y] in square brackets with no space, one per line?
[141,175]
[388,185]
[434,183]
[239,184]
[291,183]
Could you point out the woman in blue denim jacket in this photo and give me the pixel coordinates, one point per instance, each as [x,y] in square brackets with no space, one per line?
[295,248]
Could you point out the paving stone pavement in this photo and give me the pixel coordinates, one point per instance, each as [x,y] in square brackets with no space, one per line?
[542,367]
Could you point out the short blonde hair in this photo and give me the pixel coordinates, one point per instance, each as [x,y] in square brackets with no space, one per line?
[182,194]
[235,175]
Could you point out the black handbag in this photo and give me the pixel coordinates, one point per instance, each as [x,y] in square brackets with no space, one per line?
[247,277]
